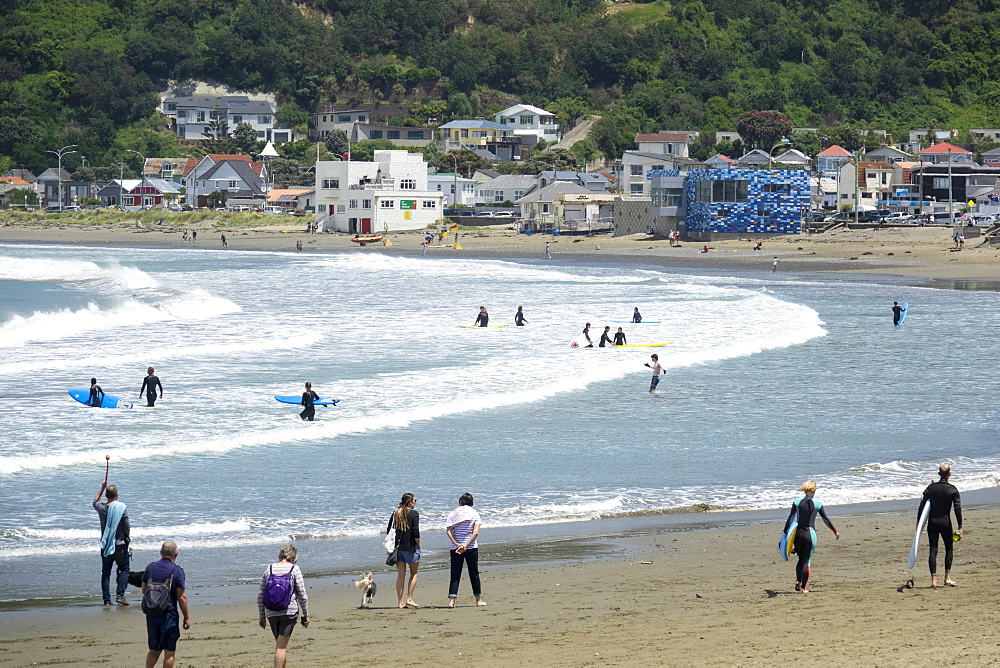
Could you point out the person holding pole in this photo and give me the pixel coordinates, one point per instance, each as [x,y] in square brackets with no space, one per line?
[114,539]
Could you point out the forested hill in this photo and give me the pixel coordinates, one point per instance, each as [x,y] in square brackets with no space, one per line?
[85,71]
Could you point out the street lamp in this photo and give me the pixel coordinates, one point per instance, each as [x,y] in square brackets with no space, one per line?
[121,179]
[142,172]
[60,154]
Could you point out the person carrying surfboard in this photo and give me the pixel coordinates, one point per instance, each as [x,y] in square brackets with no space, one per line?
[942,496]
[308,397]
[897,313]
[96,394]
[483,319]
[804,512]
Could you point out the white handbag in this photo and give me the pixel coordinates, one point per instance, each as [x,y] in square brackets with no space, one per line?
[390,539]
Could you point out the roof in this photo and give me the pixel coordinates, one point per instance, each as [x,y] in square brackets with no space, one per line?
[55,174]
[755,156]
[518,108]
[724,158]
[469,125]
[512,181]
[835,151]
[14,180]
[887,150]
[161,185]
[549,192]
[286,194]
[244,170]
[492,173]
[155,165]
[792,155]
[874,164]
[22,173]
[227,157]
[234,103]
[674,137]
[943,147]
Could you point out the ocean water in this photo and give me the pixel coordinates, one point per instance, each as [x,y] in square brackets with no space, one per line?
[771,379]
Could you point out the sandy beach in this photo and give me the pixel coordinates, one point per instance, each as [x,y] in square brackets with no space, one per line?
[914,252]
[719,596]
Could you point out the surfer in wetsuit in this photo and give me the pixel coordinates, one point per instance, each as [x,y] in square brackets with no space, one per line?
[620,337]
[483,319]
[519,317]
[897,313]
[96,394]
[804,511]
[586,335]
[942,495]
[605,338]
[636,316]
[308,397]
[149,385]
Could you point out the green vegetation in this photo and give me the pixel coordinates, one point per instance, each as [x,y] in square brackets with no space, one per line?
[85,72]
[172,221]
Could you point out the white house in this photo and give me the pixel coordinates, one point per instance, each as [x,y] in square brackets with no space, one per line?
[448,183]
[719,161]
[506,188]
[389,193]
[943,153]
[526,120]
[634,167]
[564,202]
[203,178]
[874,183]
[592,181]
[190,116]
[664,143]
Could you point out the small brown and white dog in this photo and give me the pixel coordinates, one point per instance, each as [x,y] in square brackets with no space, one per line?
[367,583]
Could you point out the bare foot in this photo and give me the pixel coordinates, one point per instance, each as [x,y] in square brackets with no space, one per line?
[934,583]
[950,582]
[480,603]
[451,603]
[402,605]
[798,587]
[411,604]
[804,590]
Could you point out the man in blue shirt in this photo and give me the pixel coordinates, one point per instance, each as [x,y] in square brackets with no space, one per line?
[163,631]
[118,555]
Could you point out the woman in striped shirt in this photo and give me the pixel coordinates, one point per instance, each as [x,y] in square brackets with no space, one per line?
[283,621]
[463,528]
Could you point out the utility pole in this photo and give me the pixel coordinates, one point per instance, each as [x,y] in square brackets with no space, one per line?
[951,197]
[60,154]
[142,172]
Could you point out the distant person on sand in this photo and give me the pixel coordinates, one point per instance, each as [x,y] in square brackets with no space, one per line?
[757,246]
[804,511]
[605,337]
[308,397]
[283,621]
[405,522]
[483,319]
[149,385]
[224,244]
[194,236]
[462,527]
[942,496]
[897,313]
[163,631]
[114,542]
[636,316]
[586,335]
[96,394]
[298,246]
[774,265]
[519,317]
[657,370]
[620,338]
[548,255]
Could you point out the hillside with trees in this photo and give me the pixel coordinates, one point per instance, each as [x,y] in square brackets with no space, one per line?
[86,72]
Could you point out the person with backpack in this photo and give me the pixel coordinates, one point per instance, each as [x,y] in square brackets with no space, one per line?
[162,593]
[282,595]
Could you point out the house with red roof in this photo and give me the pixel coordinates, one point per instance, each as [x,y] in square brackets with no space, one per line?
[943,153]
[830,160]
[719,161]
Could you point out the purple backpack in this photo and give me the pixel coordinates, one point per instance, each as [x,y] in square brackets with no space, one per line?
[278,591]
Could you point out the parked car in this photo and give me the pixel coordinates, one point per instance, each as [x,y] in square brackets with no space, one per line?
[503,214]
[484,214]
[896,217]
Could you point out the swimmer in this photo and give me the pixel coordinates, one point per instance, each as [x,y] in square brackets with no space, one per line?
[657,370]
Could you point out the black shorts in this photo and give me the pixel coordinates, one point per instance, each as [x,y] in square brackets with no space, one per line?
[282,626]
[162,632]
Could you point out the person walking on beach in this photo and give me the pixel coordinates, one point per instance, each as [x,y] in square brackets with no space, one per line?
[519,317]
[548,255]
[163,631]
[620,338]
[114,542]
[149,385]
[462,527]
[406,522]
[774,265]
[308,397]
[298,246]
[606,337]
[804,511]
[483,319]
[96,394]
[194,236]
[897,313]
[943,496]
[636,316]
[657,370]
[224,244]
[586,335]
[283,618]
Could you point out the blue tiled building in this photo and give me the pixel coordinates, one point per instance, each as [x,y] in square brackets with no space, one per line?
[741,201]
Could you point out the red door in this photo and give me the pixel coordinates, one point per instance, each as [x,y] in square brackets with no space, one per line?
[366,226]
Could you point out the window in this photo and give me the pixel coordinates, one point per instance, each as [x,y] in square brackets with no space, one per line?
[387,204]
[233,185]
[707,190]
[498,197]
[237,118]
[392,134]
[260,134]
[635,170]
[518,194]
[182,113]
[201,116]
[636,189]
[545,208]
[321,208]
[763,213]
[776,188]
[324,119]
[940,182]
[658,167]
[526,120]
[464,134]
[343,118]
[414,134]
[488,194]
[668,149]
[550,132]
[439,187]
[366,204]
[480,134]
[375,134]
[171,106]
[353,204]
[264,120]
[428,204]
[673,196]
[362,118]
[340,208]
[407,184]
[331,184]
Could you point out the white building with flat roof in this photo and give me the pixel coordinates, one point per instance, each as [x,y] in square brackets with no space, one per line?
[389,193]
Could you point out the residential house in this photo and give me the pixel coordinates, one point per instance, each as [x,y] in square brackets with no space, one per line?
[478,135]
[719,161]
[456,189]
[562,202]
[940,185]
[864,184]
[831,159]
[632,174]
[922,136]
[323,123]
[10,186]
[944,153]
[192,175]
[985,134]
[398,134]
[794,158]
[730,136]
[22,174]
[389,193]
[14,180]
[138,194]
[530,123]
[297,199]
[824,193]
[991,158]
[506,188]
[190,116]
[237,178]
[731,203]
[592,181]
[53,181]
[888,154]
[664,143]
[755,158]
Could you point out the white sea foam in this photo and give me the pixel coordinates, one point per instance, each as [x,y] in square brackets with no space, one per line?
[73,271]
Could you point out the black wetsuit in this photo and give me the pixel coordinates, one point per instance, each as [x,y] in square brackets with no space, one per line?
[96,396]
[482,319]
[897,313]
[636,317]
[806,508]
[605,339]
[519,319]
[586,335]
[620,339]
[149,385]
[309,412]
[942,495]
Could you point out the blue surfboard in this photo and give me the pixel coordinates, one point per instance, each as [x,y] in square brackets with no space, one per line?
[109,400]
[787,541]
[297,399]
[906,309]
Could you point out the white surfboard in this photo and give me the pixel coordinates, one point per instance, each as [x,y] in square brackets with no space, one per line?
[916,536]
